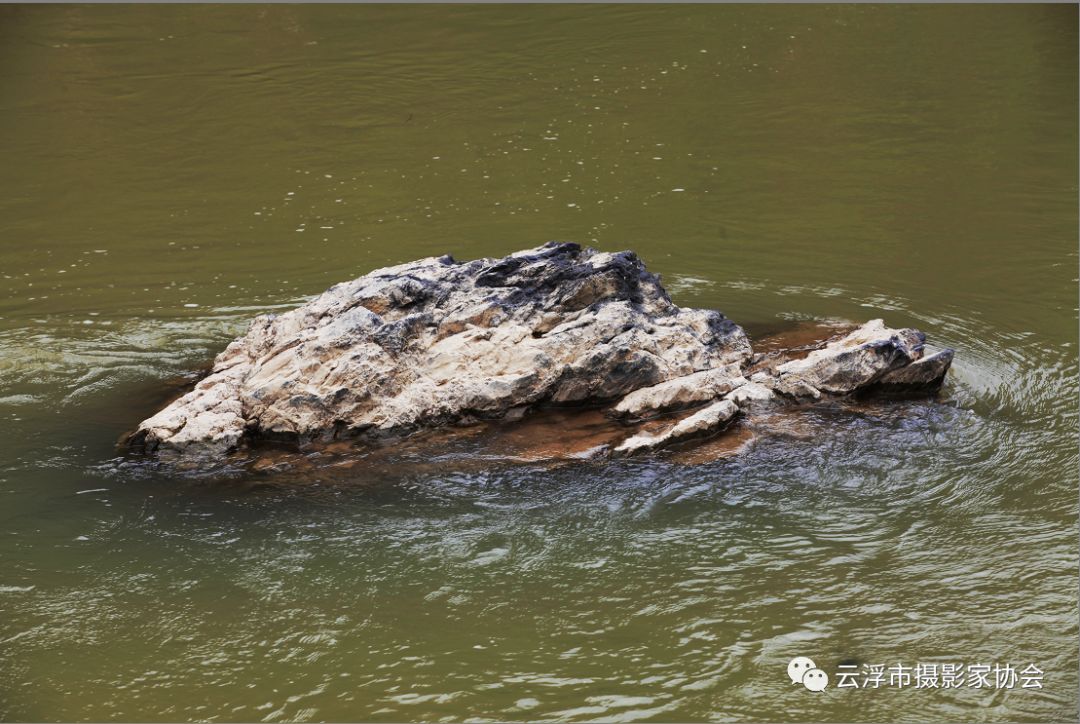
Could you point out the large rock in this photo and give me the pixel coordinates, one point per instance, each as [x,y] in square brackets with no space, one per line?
[438,341]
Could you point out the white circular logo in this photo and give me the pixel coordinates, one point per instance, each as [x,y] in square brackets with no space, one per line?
[815,680]
[799,666]
[803,670]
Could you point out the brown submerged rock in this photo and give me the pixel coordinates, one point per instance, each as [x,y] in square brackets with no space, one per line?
[438,342]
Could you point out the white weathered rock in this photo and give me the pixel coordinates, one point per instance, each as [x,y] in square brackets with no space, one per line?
[923,373]
[679,393]
[747,394]
[703,422]
[854,362]
[437,341]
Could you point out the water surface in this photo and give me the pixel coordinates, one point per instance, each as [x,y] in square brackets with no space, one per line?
[171,171]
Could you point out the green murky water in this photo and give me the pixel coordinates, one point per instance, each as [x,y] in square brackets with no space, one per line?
[168,172]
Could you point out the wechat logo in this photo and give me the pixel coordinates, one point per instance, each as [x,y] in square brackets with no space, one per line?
[802,670]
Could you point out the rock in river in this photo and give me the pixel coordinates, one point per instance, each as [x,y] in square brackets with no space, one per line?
[437,342]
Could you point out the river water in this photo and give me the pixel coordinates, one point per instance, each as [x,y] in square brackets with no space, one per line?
[168,172]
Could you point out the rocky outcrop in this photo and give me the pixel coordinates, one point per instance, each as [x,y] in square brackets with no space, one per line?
[437,342]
